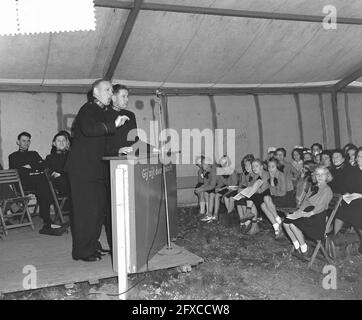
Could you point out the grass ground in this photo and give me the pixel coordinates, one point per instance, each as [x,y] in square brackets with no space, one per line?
[236,266]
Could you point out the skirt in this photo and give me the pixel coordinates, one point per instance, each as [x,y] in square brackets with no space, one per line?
[287,201]
[313,227]
[223,192]
[351,213]
[258,198]
[231,194]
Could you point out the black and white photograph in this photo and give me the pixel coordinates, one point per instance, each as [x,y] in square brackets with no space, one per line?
[181,156]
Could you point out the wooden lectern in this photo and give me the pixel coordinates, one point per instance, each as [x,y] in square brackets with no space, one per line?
[138,211]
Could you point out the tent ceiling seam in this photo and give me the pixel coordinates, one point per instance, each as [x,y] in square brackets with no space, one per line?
[46,60]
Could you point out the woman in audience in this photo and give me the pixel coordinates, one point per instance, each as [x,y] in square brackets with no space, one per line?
[350,155]
[352,213]
[200,181]
[246,177]
[208,188]
[310,219]
[227,178]
[55,162]
[281,195]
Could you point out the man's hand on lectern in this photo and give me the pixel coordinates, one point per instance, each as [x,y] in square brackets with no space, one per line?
[125,150]
[121,120]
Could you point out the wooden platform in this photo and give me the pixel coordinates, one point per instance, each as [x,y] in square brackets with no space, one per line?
[51,256]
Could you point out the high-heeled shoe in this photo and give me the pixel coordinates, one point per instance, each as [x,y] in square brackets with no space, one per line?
[93,257]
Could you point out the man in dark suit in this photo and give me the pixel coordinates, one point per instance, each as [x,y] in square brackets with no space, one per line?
[87,171]
[30,166]
[121,142]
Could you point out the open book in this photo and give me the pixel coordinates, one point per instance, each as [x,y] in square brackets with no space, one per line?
[349,197]
[249,191]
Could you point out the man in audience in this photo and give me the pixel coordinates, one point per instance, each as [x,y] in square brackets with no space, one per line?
[30,166]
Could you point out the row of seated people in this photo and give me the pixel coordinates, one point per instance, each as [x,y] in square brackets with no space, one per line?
[306,184]
[31,166]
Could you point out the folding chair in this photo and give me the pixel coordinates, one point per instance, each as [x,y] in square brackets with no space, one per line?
[321,244]
[11,178]
[59,200]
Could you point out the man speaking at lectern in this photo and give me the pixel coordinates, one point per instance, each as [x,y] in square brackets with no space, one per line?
[87,172]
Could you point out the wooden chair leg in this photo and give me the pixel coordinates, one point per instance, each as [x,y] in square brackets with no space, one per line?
[27,211]
[3,220]
[314,255]
[330,261]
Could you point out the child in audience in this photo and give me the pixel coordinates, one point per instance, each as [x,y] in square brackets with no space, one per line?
[305,182]
[260,187]
[246,177]
[200,181]
[281,195]
[310,218]
[208,188]
[227,178]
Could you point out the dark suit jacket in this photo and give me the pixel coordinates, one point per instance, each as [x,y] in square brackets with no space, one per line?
[121,139]
[89,143]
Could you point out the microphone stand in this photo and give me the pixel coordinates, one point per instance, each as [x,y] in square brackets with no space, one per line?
[160,107]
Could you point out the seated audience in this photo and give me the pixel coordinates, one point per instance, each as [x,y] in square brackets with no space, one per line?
[352,213]
[227,178]
[208,189]
[200,181]
[310,219]
[281,195]
[30,166]
[55,162]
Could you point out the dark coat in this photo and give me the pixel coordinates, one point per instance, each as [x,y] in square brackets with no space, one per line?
[89,143]
[119,139]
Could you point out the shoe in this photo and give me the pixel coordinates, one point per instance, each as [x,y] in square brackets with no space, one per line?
[248,227]
[103,252]
[206,218]
[301,256]
[93,257]
[279,233]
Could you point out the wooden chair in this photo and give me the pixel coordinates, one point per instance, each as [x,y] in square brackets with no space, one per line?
[59,200]
[11,178]
[321,244]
